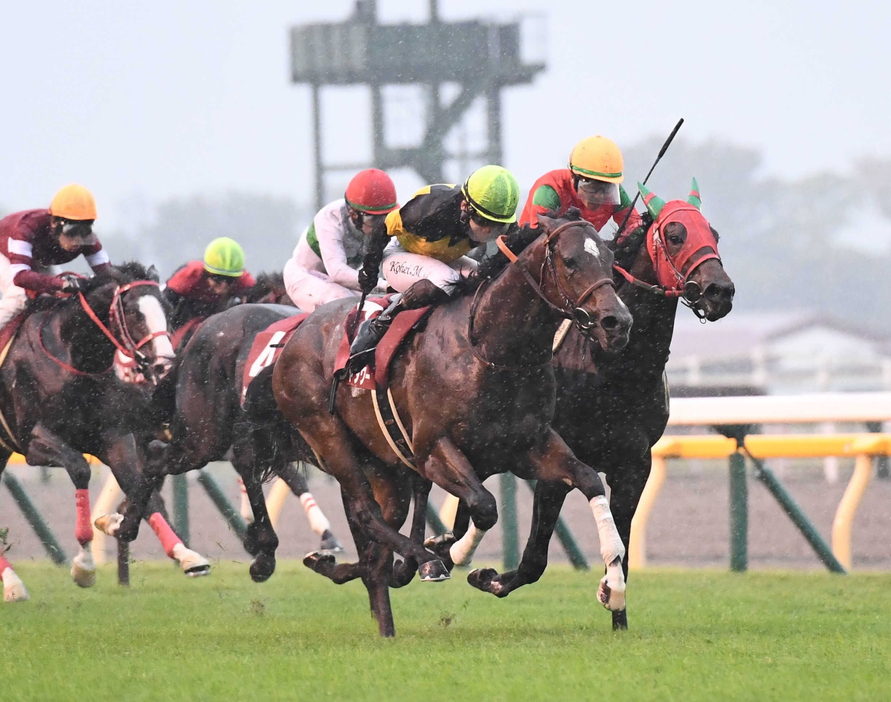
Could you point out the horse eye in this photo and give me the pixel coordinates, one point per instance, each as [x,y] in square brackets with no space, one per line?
[675,239]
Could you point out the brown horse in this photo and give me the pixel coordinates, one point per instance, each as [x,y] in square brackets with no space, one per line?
[476,394]
[675,256]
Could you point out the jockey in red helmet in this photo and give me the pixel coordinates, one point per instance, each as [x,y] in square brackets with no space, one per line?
[33,241]
[326,261]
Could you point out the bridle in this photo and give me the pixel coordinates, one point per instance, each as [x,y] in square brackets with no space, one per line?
[570,310]
[689,291]
[123,341]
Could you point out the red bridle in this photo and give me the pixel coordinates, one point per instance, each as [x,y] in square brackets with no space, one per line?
[117,318]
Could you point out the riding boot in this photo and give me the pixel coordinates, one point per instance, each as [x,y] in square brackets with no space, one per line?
[369,336]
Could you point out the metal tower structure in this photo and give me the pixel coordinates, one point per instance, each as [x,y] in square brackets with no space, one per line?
[480,58]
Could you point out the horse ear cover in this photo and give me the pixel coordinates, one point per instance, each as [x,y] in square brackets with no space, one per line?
[694,198]
[654,204]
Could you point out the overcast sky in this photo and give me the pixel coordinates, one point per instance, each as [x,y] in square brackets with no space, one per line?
[146,101]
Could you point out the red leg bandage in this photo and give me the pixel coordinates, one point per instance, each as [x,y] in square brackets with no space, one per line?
[4,564]
[83,531]
[165,534]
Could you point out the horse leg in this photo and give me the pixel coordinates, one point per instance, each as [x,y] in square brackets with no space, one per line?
[261,539]
[318,522]
[624,499]
[121,454]
[449,468]
[404,571]
[332,441]
[13,587]
[548,502]
[46,448]
[552,461]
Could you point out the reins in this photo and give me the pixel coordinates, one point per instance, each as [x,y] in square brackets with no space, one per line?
[129,347]
[573,310]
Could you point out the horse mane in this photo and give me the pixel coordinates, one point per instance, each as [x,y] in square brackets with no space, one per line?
[264,284]
[516,240]
[122,274]
[626,246]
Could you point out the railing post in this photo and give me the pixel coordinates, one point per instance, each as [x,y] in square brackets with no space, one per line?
[181,507]
[510,538]
[739,514]
[844,517]
[40,527]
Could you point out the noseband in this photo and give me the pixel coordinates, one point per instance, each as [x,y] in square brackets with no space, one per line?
[117,320]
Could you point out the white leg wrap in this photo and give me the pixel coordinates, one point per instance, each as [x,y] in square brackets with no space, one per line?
[83,568]
[318,522]
[611,546]
[13,587]
[192,563]
[463,549]
[246,512]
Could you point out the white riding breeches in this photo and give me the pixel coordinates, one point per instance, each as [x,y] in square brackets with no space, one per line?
[14,298]
[402,269]
[308,288]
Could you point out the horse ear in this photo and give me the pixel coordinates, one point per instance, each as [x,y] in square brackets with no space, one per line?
[545,221]
[654,204]
[152,273]
[694,198]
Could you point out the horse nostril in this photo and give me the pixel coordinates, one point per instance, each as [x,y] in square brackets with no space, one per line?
[609,323]
[717,291]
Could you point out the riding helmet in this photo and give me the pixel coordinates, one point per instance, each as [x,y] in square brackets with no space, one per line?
[493,192]
[597,158]
[224,256]
[73,202]
[371,192]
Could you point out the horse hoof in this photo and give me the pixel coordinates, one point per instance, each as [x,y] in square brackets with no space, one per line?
[13,588]
[109,524]
[262,568]
[83,574]
[613,598]
[314,559]
[481,578]
[433,571]
[330,543]
[193,564]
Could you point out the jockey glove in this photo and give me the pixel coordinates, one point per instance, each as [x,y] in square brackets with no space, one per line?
[71,285]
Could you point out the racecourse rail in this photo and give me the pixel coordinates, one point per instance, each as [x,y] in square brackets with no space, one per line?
[735,418]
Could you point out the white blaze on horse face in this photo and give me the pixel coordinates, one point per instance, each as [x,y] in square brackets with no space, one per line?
[591,248]
[155,321]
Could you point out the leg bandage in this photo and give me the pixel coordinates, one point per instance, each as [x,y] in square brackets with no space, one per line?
[4,564]
[318,522]
[611,546]
[83,531]
[461,552]
[168,538]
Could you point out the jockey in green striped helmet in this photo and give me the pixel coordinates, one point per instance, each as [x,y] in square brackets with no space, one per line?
[493,193]
[224,256]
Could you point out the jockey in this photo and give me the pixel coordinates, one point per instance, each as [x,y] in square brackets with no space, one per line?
[423,245]
[324,266]
[34,240]
[591,183]
[202,288]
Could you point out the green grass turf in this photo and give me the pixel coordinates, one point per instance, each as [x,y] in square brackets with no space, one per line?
[694,635]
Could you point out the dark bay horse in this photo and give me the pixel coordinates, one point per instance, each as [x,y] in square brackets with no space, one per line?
[269,288]
[200,399]
[59,398]
[675,256]
[476,394]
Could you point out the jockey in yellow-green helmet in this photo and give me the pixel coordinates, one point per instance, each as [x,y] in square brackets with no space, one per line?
[202,288]
[423,244]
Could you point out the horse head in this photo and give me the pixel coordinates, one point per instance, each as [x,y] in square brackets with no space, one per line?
[580,283]
[126,304]
[680,258]
[268,289]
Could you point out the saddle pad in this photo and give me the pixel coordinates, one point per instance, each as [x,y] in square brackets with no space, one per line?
[267,347]
[370,378]
[7,334]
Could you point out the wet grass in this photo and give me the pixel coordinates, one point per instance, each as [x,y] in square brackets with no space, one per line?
[694,635]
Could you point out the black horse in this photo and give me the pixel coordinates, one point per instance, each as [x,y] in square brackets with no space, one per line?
[59,398]
[200,399]
[674,256]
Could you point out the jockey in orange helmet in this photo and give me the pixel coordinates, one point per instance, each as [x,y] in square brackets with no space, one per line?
[34,240]
[326,261]
[591,183]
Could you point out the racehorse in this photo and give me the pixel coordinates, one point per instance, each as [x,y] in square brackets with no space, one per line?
[59,398]
[673,257]
[475,392]
[201,399]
